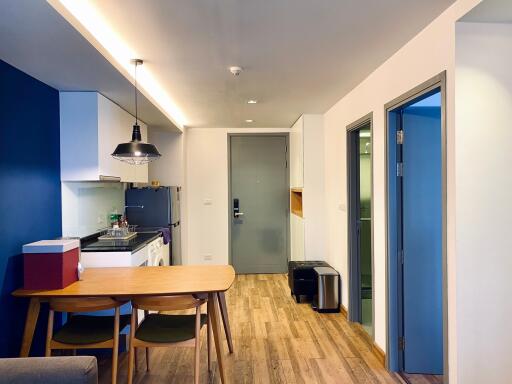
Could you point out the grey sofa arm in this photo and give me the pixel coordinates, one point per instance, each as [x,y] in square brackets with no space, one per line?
[49,370]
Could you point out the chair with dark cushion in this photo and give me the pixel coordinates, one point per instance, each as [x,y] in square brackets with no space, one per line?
[163,330]
[87,331]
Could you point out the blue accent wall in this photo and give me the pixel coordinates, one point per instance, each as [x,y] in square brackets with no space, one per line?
[30,194]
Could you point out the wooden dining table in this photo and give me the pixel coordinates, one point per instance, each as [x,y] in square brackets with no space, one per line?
[130,282]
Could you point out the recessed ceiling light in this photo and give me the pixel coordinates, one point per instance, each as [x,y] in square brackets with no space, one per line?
[249,121]
[252,101]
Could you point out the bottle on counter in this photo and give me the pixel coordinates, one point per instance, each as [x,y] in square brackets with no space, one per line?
[114,219]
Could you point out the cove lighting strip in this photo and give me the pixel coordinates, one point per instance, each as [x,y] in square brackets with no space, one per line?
[90,22]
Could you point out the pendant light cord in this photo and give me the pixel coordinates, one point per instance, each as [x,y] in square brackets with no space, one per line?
[136,111]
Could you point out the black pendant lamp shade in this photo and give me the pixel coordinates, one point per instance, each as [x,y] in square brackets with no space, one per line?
[136,152]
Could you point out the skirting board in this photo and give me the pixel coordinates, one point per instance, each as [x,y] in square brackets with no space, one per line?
[379,354]
[344,312]
[376,350]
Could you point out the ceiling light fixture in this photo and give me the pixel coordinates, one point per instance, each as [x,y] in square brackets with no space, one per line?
[252,101]
[136,152]
[98,30]
[249,121]
[235,70]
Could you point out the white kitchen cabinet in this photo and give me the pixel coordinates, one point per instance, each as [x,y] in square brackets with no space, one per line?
[297,154]
[307,184]
[140,172]
[297,238]
[91,126]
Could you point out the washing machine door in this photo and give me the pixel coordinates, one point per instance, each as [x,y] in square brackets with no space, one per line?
[160,247]
[151,254]
[155,253]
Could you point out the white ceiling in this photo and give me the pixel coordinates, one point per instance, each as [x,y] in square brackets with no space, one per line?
[299,56]
[490,11]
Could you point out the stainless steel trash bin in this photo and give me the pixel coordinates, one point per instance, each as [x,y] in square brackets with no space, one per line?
[328,295]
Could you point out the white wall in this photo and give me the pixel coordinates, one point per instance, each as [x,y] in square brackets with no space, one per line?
[429,53]
[207,180]
[483,133]
[86,206]
[170,168]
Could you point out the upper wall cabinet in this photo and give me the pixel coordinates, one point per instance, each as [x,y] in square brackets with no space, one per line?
[307,196]
[91,126]
[297,154]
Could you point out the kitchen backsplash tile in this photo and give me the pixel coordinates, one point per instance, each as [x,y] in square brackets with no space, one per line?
[86,206]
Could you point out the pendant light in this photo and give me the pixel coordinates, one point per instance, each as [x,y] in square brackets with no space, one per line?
[136,152]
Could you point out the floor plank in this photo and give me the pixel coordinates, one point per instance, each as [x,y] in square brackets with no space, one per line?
[275,339]
[422,379]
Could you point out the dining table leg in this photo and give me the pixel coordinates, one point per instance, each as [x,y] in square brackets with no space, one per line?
[213,312]
[225,319]
[30,326]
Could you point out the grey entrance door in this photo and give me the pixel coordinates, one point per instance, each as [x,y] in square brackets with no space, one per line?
[259,203]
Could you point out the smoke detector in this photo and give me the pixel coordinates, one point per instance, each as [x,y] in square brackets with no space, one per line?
[235,70]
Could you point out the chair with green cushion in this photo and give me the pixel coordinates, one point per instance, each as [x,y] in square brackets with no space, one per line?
[163,330]
[86,331]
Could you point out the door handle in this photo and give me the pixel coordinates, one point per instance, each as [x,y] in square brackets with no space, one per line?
[236,209]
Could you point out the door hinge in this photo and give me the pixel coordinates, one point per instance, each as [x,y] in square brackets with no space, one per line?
[286,164]
[401,256]
[400,137]
[399,169]
[401,343]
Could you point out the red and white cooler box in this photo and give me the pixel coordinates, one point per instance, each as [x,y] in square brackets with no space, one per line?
[50,264]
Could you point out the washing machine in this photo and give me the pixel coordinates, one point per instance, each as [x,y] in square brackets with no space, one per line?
[158,253]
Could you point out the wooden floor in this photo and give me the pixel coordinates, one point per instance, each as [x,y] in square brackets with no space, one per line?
[422,379]
[275,341]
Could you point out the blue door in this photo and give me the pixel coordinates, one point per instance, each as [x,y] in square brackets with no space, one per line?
[422,228]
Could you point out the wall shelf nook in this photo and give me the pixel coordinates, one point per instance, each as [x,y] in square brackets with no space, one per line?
[296,201]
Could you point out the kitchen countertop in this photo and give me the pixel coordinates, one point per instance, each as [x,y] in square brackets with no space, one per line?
[92,244]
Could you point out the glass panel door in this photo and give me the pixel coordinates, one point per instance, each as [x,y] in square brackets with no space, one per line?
[365,228]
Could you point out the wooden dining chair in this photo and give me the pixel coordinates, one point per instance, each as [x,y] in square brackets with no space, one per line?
[224,313]
[86,331]
[164,330]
